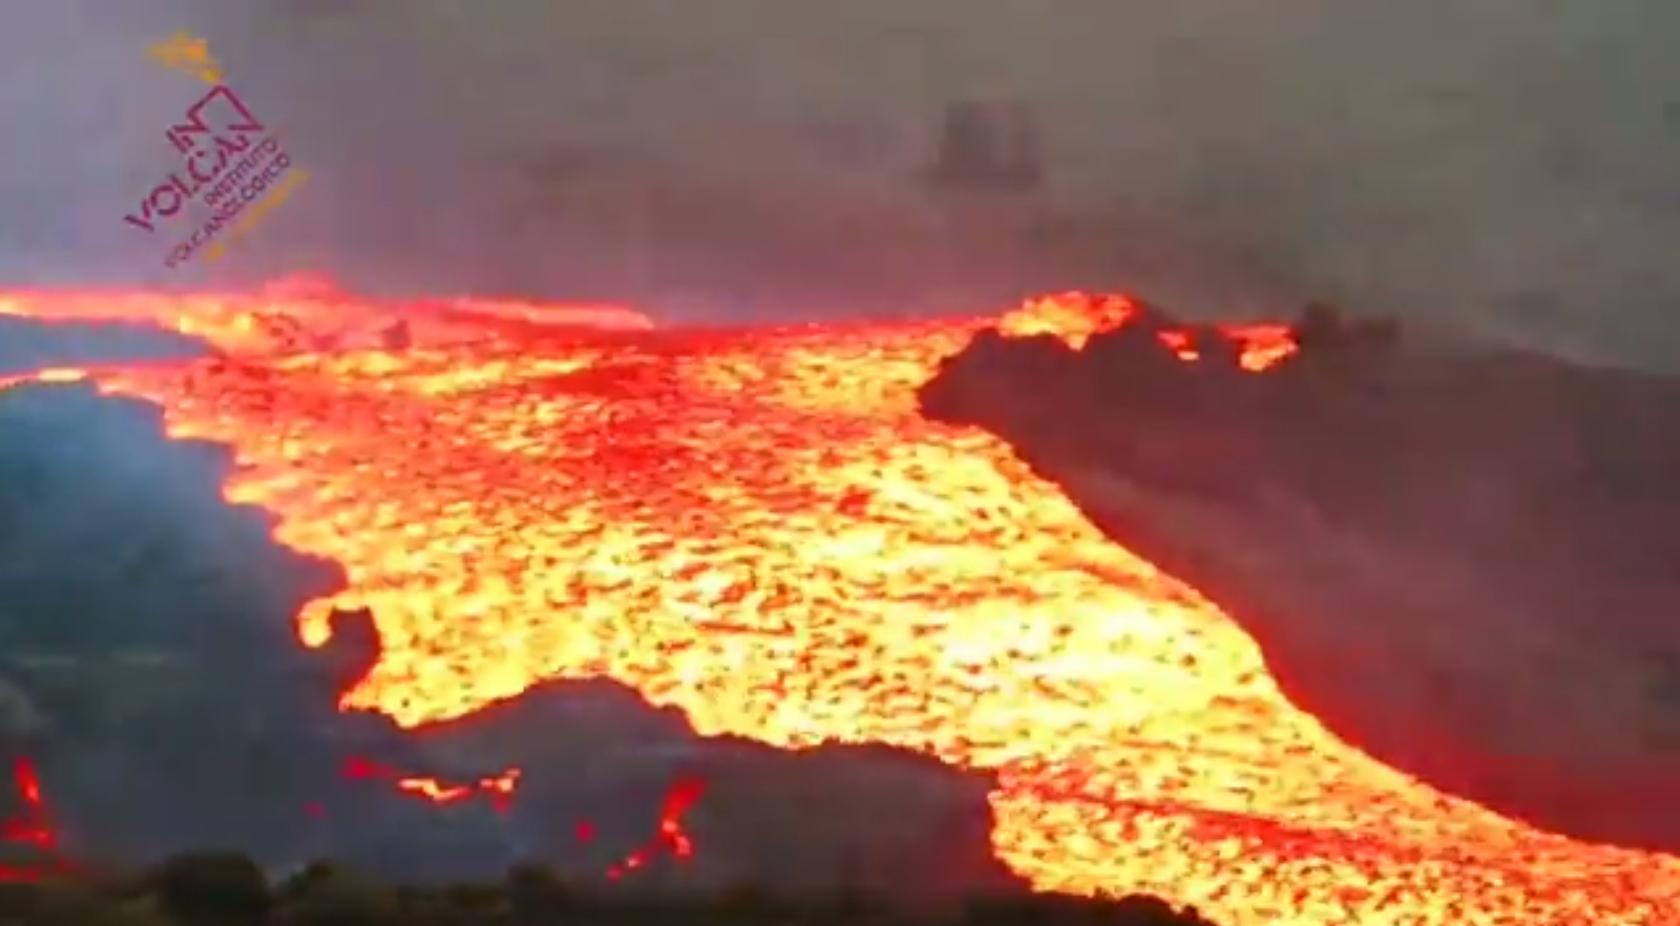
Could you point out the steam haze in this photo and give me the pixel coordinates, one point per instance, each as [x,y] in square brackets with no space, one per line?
[1501,164]
[1512,167]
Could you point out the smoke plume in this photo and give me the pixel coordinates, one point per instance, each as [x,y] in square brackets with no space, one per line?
[1501,165]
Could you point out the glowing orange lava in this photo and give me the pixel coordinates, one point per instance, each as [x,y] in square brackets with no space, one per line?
[758,527]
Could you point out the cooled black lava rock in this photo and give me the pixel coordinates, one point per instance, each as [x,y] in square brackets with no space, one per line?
[1322,327]
[1385,492]
[1132,363]
[603,774]
[1008,364]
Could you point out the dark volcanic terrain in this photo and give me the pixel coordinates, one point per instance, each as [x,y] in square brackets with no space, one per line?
[149,671]
[1461,558]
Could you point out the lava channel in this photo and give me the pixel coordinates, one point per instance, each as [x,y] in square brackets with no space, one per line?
[757,527]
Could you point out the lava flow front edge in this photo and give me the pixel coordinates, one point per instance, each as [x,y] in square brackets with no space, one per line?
[758,527]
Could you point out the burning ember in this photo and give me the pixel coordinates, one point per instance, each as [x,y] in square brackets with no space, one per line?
[758,528]
[29,829]
[499,790]
[1074,317]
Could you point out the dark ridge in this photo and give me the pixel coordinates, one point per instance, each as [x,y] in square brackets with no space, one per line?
[1460,557]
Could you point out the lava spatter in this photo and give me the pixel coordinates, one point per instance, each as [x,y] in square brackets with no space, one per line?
[758,528]
[29,829]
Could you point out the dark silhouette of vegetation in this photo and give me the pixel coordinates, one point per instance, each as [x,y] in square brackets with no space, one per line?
[229,889]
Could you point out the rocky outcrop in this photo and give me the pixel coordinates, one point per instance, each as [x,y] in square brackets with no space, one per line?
[1460,557]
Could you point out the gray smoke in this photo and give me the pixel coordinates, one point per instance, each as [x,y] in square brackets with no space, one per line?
[1506,165]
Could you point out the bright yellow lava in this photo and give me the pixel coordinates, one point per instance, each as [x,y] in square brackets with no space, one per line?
[757,526]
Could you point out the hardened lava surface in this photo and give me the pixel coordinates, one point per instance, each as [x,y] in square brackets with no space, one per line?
[756,526]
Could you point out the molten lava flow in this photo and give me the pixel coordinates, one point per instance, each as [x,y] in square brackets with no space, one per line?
[669,837]
[498,789]
[300,314]
[760,529]
[1075,317]
[29,829]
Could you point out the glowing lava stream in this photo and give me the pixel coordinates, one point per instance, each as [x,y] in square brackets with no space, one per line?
[756,526]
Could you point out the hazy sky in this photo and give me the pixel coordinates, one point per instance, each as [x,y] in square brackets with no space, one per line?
[1490,161]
